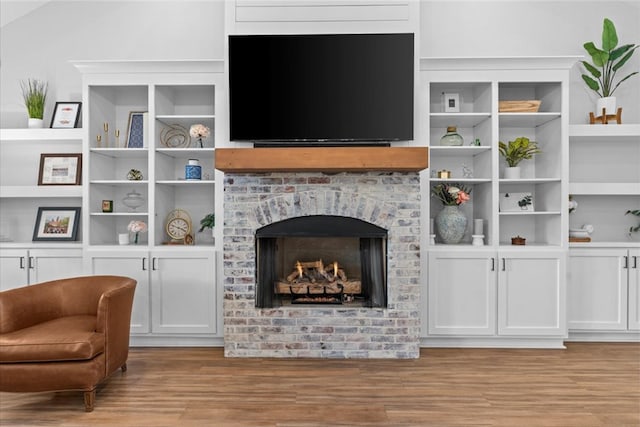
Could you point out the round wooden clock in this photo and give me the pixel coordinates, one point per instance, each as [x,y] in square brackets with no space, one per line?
[179,226]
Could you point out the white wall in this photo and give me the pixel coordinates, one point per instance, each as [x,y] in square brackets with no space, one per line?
[40,43]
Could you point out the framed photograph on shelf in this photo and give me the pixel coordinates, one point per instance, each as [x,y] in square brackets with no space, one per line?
[66,115]
[136,129]
[451,102]
[516,202]
[60,169]
[56,224]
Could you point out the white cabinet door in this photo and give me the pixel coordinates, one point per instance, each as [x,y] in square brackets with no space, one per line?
[14,271]
[597,289]
[183,292]
[634,290]
[462,289]
[53,264]
[531,294]
[131,264]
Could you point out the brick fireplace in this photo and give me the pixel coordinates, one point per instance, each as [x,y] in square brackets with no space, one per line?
[388,200]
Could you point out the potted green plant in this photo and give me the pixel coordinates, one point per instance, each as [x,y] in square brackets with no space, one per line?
[606,62]
[636,212]
[209,221]
[522,148]
[34,93]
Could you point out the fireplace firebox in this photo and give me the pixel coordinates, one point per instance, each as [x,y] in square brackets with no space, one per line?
[321,259]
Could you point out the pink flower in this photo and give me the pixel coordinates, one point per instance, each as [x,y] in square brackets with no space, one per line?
[137,227]
[462,197]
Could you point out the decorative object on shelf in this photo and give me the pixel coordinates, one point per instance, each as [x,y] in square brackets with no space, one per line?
[466,171]
[134,175]
[136,227]
[175,136]
[178,226]
[193,170]
[105,128]
[635,212]
[573,205]
[56,224]
[99,141]
[133,200]
[528,106]
[522,148]
[606,118]
[451,102]
[136,133]
[520,241]
[123,238]
[450,222]
[475,142]
[66,115]
[60,169]
[209,221]
[199,131]
[34,94]
[602,70]
[117,135]
[107,206]
[477,238]
[581,234]
[444,174]
[516,202]
[451,138]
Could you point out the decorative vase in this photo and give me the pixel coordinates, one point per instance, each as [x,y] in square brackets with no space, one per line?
[35,123]
[609,104]
[512,172]
[133,200]
[193,170]
[451,138]
[451,224]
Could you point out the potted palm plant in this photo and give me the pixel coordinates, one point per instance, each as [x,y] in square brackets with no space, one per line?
[34,93]
[514,152]
[209,221]
[606,62]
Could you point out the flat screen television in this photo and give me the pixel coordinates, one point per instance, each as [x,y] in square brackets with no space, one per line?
[321,88]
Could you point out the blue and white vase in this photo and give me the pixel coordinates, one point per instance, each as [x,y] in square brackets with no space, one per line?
[193,171]
[451,224]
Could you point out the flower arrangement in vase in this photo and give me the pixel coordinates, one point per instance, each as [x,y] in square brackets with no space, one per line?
[522,148]
[450,223]
[137,227]
[199,131]
[34,93]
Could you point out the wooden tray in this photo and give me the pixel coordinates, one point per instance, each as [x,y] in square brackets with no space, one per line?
[530,106]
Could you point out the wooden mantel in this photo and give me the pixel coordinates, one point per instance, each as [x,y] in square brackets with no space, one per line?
[322,159]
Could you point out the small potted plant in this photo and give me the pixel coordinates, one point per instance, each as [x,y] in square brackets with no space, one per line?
[636,212]
[209,221]
[34,93]
[516,151]
[601,77]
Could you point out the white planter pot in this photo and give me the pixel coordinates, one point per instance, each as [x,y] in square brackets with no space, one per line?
[512,173]
[609,104]
[35,123]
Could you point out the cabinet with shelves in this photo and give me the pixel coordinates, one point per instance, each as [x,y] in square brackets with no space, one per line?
[481,297]
[21,266]
[603,293]
[604,179]
[20,194]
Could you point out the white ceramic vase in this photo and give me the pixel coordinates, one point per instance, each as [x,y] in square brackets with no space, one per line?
[35,123]
[512,172]
[609,104]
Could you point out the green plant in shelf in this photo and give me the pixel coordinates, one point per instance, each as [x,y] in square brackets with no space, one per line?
[606,61]
[34,93]
[635,212]
[209,221]
[516,151]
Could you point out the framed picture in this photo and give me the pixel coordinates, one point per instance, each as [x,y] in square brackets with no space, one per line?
[136,129]
[66,115]
[451,102]
[60,169]
[516,202]
[57,224]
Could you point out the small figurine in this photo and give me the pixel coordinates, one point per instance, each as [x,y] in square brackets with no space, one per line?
[466,171]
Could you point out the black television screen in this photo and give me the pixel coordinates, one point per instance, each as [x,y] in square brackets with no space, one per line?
[321,88]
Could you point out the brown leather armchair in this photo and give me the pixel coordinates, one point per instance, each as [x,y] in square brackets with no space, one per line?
[67,334]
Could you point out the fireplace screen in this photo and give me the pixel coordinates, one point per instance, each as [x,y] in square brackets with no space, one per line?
[321,259]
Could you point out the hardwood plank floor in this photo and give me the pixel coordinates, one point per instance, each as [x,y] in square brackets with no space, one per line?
[588,384]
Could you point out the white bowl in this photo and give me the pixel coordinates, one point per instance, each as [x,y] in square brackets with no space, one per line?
[578,232]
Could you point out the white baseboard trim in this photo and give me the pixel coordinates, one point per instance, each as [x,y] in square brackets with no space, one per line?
[604,336]
[492,342]
[175,341]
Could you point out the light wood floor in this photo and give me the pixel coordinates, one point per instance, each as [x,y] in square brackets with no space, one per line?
[585,385]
